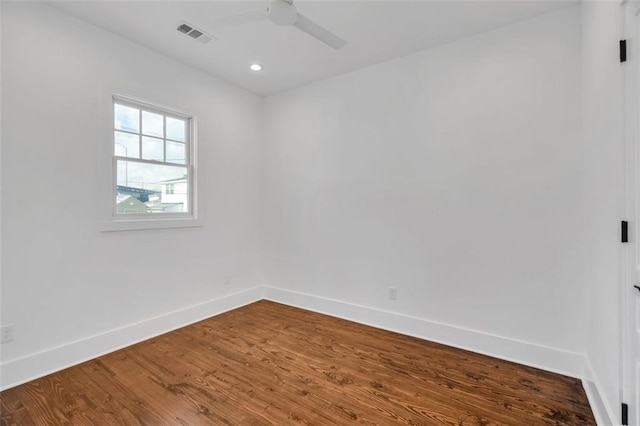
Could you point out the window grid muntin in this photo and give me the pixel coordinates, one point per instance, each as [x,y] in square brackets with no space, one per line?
[142,107]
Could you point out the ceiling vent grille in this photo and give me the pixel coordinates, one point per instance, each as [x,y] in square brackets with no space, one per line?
[194,33]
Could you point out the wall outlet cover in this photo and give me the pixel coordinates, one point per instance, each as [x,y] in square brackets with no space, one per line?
[6,333]
[393,293]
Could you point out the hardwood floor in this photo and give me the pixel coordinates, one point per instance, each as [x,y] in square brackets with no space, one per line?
[268,363]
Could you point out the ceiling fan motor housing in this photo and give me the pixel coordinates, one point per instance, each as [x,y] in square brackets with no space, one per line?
[282,13]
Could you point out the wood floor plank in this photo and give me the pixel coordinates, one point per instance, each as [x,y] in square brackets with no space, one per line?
[271,364]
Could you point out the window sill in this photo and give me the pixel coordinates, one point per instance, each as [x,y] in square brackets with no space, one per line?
[129,224]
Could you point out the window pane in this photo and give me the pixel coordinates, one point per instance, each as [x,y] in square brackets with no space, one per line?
[126,145]
[152,124]
[152,149]
[176,129]
[151,188]
[126,118]
[176,152]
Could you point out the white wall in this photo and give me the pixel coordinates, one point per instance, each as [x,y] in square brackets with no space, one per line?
[604,168]
[454,175]
[62,279]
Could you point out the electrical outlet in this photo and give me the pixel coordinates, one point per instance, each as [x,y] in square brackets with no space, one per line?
[393,293]
[6,333]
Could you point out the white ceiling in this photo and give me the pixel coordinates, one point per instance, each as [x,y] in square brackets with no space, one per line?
[376,31]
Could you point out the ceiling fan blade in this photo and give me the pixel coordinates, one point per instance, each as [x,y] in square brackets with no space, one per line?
[322,34]
[243,18]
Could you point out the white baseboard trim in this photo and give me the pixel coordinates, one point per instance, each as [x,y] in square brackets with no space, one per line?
[20,370]
[601,407]
[546,358]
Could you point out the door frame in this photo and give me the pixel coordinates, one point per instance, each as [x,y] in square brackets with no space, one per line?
[630,31]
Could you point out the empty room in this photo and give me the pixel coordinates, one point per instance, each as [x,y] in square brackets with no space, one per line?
[320,212]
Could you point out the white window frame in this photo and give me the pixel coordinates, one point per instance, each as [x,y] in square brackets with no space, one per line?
[114,221]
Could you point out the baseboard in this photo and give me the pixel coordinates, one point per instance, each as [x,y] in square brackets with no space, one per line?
[602,408]
[546,358]
[24,369]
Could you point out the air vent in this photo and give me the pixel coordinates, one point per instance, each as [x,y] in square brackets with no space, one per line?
[195,33]
[184,28]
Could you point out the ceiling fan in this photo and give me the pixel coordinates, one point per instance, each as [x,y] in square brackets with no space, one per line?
[284,14]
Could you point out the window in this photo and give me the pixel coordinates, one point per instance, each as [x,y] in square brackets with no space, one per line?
[153,166]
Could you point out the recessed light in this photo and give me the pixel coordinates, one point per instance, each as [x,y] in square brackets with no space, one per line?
[256,67]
